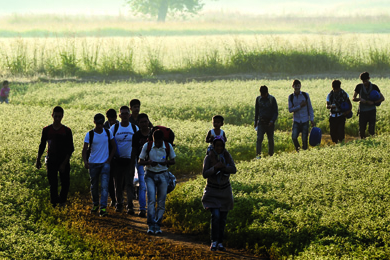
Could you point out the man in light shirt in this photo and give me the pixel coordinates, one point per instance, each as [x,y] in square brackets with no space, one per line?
[300,105]
[124,165]
[154,156]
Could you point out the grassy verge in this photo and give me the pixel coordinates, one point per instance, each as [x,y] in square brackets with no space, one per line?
[145,57]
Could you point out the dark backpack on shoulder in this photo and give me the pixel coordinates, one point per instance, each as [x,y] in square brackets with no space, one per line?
[169,135]
[291,97]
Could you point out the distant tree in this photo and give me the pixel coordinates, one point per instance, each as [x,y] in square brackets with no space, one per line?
[160,8]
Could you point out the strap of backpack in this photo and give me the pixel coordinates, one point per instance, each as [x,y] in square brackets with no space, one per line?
[108,136]
[291,97]
[134,127]
[91,134]
[149,147]
[116,127]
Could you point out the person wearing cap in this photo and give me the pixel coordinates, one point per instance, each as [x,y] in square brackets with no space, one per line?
[217,195]
[300,105]
[266,113]
[60,148]
[100,145]
[337,116]
[367,107]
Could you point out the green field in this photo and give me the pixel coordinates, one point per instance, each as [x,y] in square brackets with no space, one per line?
[290,205]
[330,202]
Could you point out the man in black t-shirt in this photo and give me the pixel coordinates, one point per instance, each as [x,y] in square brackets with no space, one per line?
[367,107]
[60,148]
[139,139]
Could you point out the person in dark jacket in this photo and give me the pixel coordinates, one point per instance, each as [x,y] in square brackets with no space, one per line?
[60,148]
[217,195]
[266,113]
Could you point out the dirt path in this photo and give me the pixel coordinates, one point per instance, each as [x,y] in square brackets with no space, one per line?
[125,230]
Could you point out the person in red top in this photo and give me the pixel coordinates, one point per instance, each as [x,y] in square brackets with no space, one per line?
[60,148]
[4,92]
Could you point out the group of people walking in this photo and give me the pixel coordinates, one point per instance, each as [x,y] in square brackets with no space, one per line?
[111,152]
[337,101]
[114,149]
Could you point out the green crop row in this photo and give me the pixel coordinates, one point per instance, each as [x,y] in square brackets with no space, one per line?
[196,101]
[189,55]
[329,203]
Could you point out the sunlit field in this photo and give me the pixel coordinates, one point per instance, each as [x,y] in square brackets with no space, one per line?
[330,202]
[275,204]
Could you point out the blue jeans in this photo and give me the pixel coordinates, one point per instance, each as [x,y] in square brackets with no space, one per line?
[269,130]
[300,128]
[142,187]
[218,223]
[95,171]
[156,183]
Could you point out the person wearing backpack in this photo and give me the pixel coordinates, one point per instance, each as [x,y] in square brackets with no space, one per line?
[266,113]
[300,105]
[367,107]
[217,195]
[124,164]
[97,157]
[216,131]
[60,148]
[337,116]
[154,156]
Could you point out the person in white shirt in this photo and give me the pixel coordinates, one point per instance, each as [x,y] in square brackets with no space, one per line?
[124,164]
[99,141]
[154,156]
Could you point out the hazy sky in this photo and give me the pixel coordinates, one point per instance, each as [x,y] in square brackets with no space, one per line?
[114,7]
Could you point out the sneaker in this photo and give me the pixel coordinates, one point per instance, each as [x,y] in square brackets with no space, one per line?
[150,230]
[258,157]
[220,247]
[103,212]
[213,246]
[95,209]
[142,214]
[158,230]
[119,208]
[130,211]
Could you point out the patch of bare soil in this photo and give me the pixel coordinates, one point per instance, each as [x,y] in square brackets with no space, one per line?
[128,235]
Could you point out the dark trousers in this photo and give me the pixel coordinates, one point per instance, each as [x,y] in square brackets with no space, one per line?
[269,130]
[337,128]
[364,118]
[53,168]
[124,177]
[111,187]
[218,223]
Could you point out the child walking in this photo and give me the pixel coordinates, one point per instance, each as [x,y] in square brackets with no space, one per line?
[217,195]
[216,131]
[4,92]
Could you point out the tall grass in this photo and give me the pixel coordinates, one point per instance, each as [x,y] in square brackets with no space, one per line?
[150,56]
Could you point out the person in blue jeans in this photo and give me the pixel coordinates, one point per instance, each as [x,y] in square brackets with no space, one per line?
[218,196]
[97,157]
[266,113]
[154,156]
[300,105]
[139,139]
